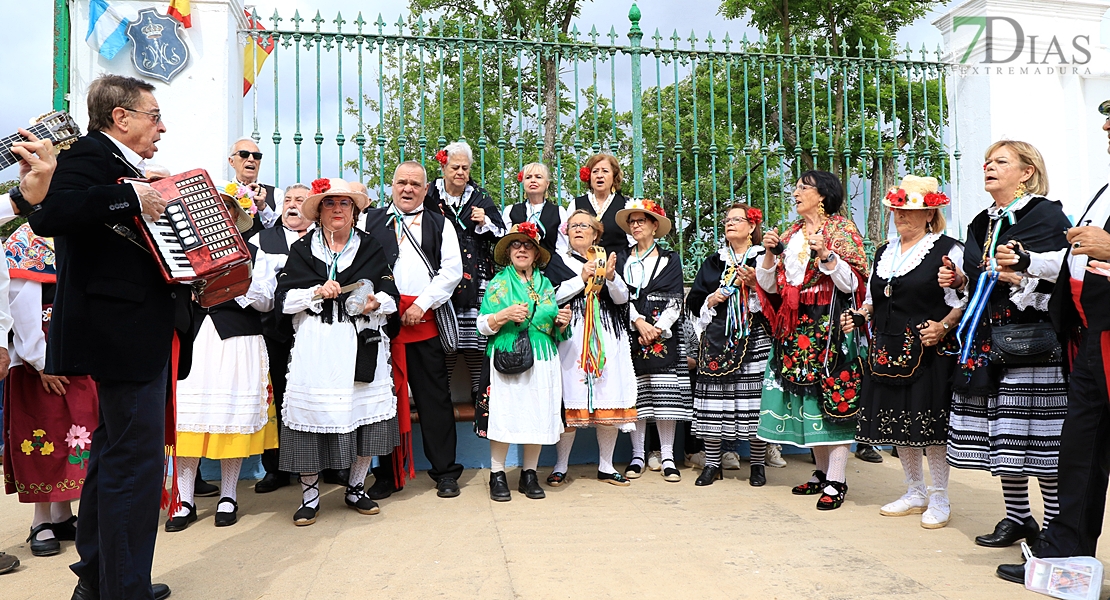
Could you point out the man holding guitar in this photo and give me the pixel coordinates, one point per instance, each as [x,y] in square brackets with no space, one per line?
[115,319]
[36,167]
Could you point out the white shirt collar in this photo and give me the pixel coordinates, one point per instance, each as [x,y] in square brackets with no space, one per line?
[128,154]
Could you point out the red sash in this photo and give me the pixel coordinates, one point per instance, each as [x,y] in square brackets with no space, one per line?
[171,499]
[425,330]
[1104,337]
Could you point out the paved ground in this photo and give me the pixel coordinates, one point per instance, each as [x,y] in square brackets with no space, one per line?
[586,540]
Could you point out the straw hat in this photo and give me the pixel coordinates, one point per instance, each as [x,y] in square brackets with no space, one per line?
[648,207]
[523,231]
[916,193]
[228,191]
[322,188]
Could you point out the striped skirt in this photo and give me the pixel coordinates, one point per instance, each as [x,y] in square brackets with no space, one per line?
[666,396]
[729,409]
[1015,433]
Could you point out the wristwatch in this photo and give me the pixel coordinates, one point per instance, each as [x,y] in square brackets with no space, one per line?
[22,206]
[828,259]
[945,325]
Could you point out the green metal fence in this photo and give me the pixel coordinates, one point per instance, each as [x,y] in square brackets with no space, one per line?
[699,123]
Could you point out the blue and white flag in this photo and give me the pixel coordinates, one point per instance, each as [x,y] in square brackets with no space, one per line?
[107,29]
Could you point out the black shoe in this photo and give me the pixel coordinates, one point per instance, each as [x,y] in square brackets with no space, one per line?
[810,488]
[612,479]
[1007,533]
[499,487]
[8,563]
[225,519]
[271,482]
[382,488]
[306,515]
[894,451]
[203,489]
[1011,573]
[161,591]
[66,531]
[180,523]
[635,468]
[708,475]
[557,478]
[833,501]
[447,487]
[529,485]
[362,503]
[86,591]
[867,453]
[336,476]
[47,547]
[759,476]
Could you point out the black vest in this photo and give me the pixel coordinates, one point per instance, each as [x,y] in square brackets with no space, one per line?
[915,296]
[230,319]
[274,326]
[1096,289]
[431,235]
[549,219]
[613,239]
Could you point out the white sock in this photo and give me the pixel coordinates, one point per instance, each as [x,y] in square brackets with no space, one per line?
[531,456]
[42,515]
[497,453]
[938,465]
[562,451]
[911,463]
[186,481]
[606,443]
[838,463]
[229,479]
[638,438]
[310,496]
[359,468]
[60,512]
[821,457]
[666,439]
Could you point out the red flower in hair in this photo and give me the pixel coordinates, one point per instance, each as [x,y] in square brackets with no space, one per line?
[651,206]
[754,216]
[896,197]
[520,176]
[935,199]
[584,174]
[441,158]
[319,186]
[529,229]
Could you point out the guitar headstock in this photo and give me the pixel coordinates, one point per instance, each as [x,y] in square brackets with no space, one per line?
[57,126]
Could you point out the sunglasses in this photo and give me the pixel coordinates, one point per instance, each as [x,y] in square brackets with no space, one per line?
[518,244]
[245,154]
[333,202]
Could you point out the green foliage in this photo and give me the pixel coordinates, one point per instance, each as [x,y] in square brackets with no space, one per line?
[7,228]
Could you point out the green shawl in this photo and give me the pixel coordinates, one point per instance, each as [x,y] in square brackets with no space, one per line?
[507,289]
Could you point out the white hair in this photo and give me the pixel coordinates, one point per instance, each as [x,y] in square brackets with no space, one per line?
[460,147]
[297,186]
[231,150]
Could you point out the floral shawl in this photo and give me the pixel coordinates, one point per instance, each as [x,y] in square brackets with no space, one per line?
[506,289]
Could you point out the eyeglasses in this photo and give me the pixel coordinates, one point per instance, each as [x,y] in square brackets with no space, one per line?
[801,187]
[518,244]
[578,226]
[731,220]
[637,222]
[155,116]
[245,154]
[333,202]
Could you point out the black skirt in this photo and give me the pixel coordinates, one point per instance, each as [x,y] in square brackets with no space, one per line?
[908,415]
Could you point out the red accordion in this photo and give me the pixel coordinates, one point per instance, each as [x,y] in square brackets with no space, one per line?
[195,241]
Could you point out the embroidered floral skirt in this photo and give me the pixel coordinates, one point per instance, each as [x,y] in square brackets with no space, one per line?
[913,415]
[786,418]
[47,438]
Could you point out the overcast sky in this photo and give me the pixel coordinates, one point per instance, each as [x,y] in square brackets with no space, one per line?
[29,77]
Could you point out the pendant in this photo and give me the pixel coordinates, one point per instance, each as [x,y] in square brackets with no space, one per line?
[887,290]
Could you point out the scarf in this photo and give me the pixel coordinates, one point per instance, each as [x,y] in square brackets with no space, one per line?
[507,289]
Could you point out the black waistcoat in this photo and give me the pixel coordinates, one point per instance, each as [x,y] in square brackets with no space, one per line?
[230,319]
[614,238]
[431,235]
[549,219]
[915,296]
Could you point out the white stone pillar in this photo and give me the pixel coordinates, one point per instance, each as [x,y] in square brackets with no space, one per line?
[202,106]
[1047,94]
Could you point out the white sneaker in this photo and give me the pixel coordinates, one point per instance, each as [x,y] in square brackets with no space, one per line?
[695,461]
[654,461]
[940,511]
[774,456]
[730,461]
[913,502]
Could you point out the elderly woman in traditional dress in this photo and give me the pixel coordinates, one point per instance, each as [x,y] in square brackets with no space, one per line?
[1007,410]
[478,225]
[224,406]
[654,277]
[907,390]
[735,342]
[536,208]
[604,199]
[48,419]
[524,324]
[816,268]
[339,410]
[599,383]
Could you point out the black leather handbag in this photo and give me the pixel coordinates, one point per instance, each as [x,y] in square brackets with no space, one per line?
[366,356]
[1024,345]
[517,360]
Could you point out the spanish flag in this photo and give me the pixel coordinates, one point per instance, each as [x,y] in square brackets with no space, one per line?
[257,51]
[180,10]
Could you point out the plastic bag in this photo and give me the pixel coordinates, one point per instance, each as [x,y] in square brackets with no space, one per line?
[1073,578]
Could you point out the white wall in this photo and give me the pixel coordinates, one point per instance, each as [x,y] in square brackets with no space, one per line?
[202,107]
[1056,113]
